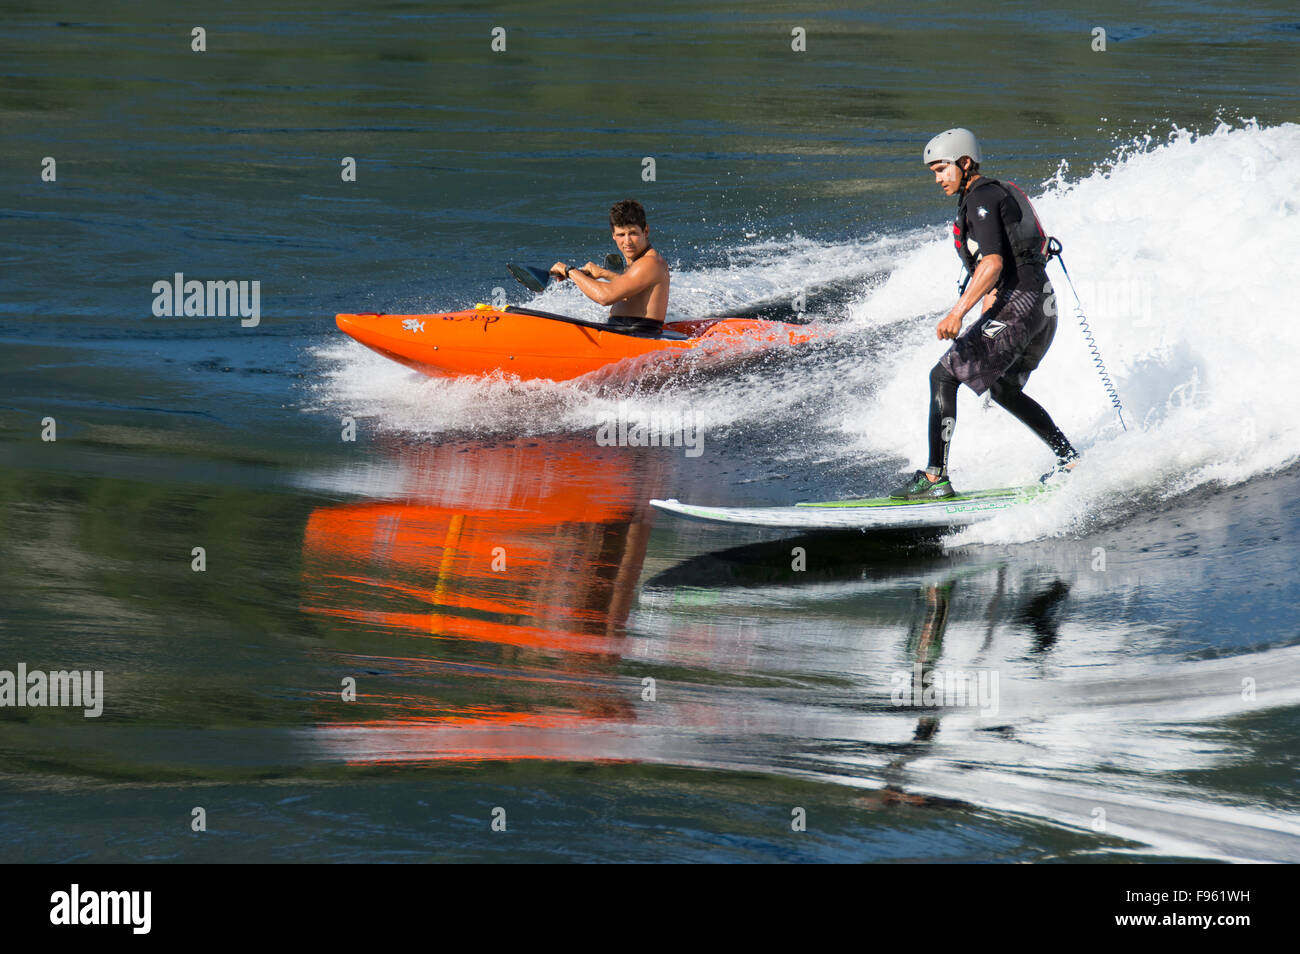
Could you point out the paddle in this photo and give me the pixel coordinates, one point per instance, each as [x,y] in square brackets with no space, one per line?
[536,279]
[621,324]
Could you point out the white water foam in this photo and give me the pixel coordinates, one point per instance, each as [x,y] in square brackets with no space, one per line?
[1182,251]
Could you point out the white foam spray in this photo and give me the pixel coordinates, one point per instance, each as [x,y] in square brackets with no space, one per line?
[1183,251]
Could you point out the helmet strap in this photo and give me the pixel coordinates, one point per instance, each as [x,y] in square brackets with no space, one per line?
[965,176]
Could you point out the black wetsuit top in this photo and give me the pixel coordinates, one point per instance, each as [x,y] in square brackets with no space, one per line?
[984,207]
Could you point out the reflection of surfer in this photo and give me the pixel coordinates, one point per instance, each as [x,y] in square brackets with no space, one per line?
[1003,247]
[924,643]
[924,646]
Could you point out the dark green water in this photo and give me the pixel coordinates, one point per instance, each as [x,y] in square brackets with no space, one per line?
[523,688]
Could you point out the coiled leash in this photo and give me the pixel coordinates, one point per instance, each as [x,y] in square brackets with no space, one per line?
[1054,251]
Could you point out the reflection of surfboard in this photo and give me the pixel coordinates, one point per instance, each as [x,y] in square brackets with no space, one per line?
[866,514]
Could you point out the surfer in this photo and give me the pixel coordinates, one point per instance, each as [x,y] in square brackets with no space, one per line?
[641,291]
[1003,247]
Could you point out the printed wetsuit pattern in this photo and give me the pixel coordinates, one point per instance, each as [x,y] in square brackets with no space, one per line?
[1008,339]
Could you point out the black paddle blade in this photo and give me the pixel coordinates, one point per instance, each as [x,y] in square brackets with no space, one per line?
[534,279]
[614,262]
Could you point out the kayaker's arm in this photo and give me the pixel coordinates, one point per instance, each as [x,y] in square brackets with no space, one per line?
[596,271]
[632,282]
[561,271]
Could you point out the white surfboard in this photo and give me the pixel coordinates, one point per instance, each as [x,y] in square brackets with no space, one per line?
[864,514]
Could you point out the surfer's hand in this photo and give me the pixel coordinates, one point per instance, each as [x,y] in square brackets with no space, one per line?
[950,327]
[560,270]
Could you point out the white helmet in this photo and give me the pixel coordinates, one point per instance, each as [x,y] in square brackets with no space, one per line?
[950,145]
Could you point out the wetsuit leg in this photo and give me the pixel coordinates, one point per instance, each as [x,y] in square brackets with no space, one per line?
[1008,394]
[943,417]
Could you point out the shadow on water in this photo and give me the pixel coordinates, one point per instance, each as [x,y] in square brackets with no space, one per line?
[842,555]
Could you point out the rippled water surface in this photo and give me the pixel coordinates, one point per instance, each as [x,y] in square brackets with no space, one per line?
[470,612]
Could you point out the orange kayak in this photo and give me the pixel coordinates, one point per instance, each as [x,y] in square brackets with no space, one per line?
[537,344]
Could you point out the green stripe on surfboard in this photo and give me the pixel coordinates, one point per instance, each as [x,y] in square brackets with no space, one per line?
[1026,492]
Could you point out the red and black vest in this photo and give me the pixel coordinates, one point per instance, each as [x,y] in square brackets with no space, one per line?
[1028,240]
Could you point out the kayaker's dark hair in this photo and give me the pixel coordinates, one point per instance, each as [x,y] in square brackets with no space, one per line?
[627,212]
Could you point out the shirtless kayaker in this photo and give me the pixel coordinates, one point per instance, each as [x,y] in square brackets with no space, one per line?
[642,290]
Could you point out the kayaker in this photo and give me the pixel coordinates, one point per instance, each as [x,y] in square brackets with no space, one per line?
[1003,247]
[641,291]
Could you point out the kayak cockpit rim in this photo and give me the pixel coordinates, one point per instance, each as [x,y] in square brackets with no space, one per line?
[620,324]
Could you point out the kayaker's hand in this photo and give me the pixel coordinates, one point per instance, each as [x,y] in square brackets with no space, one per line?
[594,270]
[950,327]
[560,271]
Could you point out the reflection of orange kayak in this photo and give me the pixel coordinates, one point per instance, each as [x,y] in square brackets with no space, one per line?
[534,544]
[533,344]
